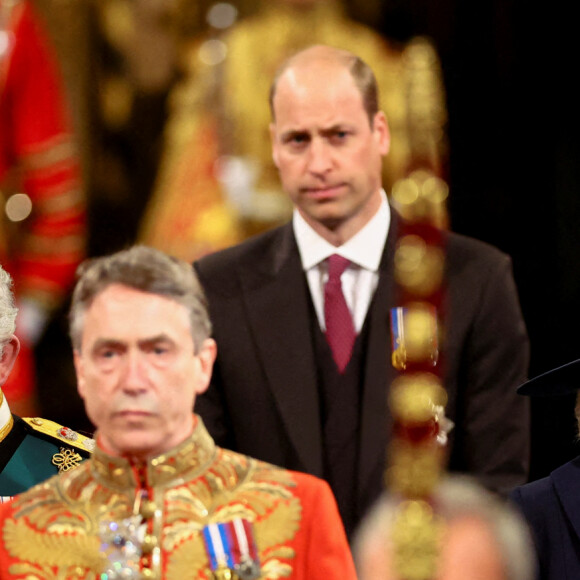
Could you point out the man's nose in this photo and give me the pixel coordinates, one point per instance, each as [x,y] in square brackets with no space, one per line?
[135,375]
[319,157]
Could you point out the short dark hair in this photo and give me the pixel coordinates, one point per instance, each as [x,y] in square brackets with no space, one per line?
[362,74]
[146,269]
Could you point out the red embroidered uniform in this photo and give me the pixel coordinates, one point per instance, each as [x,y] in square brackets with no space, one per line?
[55,529]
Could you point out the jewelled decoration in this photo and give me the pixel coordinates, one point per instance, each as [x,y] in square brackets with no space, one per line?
[66,459]
[121,546]
[123,542]
[417,397]
[90,444]
[67,434]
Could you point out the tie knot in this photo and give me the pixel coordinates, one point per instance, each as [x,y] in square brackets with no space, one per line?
[336,266]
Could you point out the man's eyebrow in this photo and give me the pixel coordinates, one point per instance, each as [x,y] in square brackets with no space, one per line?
[291,133]
[107,343]
[155,340]
[116,343]
[337,127]
[325,131]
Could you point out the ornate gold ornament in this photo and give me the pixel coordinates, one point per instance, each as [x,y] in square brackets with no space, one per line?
[66,459]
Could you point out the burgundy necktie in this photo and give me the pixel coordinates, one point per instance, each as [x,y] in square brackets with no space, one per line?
[340,332]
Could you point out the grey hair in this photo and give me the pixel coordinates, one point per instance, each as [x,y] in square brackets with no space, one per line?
[457,497]
[145,269]
[8,310]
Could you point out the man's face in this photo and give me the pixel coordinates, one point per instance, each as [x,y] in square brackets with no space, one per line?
[137,371]
[469,551]
[328,154]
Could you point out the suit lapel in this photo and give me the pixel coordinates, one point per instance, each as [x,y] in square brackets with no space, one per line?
[277,301]
[376,421]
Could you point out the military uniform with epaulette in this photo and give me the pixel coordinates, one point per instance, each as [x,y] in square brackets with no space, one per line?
[34,449]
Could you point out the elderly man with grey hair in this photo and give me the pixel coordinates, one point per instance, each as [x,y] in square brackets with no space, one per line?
[483,538]
[31,449]
[158,499]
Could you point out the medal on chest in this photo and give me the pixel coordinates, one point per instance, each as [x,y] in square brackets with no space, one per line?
[231,550]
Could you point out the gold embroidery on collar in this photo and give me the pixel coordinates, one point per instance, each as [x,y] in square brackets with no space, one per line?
[184,462]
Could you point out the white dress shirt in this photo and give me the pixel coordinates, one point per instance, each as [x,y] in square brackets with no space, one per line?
[364,250]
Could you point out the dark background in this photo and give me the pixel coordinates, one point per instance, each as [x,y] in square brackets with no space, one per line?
[514,173]
[509,69]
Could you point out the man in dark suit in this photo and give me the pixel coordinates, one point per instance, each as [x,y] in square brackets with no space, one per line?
[552,504]
[277,391]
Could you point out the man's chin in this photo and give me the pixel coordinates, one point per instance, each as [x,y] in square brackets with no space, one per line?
[331,220]
[137,444]
[328,214]
[141,453]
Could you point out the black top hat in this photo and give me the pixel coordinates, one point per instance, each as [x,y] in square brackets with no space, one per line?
[559,381]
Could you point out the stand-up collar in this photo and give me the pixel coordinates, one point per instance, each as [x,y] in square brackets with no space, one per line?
[184,462]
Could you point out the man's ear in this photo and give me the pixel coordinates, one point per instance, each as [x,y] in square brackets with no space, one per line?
[381,129]
[79,369]
[206,358]
[10,351]
[274,142]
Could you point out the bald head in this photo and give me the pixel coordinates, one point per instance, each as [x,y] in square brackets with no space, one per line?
[310,61]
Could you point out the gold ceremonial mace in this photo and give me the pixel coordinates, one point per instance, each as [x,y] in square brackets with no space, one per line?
[417,396]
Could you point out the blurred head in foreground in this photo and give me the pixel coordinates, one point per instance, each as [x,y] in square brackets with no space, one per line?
[483,538]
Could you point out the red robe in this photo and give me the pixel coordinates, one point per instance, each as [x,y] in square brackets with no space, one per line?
[37,157]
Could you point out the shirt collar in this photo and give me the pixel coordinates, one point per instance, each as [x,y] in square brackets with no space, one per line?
[364,249]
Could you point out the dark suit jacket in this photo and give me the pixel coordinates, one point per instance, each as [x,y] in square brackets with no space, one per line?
[263,400]
[552,508]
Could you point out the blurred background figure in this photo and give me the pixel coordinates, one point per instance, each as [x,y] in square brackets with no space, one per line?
[135,48]
[481,538]
[42,222]
[217,183]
